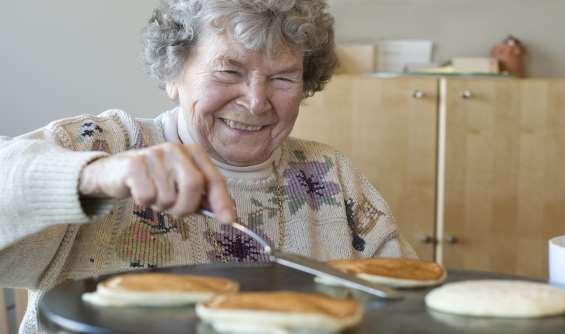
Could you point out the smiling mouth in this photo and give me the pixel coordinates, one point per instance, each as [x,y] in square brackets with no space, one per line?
[242,126]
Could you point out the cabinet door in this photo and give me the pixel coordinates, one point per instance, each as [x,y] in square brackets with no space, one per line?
[388,129]
[504,173]
[4,328]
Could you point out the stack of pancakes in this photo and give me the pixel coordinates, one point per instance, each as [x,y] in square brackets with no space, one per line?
[153,289]
[225,309]
[394,272]
[279,312]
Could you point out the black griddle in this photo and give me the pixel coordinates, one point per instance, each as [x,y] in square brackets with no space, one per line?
[61,309]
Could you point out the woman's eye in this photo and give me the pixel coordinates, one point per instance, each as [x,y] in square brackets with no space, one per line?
[228,72]
[283,79]
[228,75]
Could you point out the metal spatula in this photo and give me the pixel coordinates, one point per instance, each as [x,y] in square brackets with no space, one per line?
[314,267]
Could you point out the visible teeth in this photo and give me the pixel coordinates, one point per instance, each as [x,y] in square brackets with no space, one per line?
[241,126]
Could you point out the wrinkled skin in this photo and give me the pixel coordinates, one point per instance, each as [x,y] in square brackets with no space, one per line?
[172,177]
[238,105]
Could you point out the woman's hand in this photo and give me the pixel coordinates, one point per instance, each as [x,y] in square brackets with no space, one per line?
[172,177]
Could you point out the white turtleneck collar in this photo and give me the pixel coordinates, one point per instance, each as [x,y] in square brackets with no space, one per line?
[175,130]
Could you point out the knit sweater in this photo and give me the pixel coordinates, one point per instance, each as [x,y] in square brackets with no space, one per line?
[307,199]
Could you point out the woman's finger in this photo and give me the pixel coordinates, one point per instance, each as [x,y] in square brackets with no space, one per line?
[217,192]
[190,182]
[163,177]
[139,182]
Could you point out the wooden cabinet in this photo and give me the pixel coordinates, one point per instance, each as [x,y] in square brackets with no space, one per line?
[504,173]
[4,328]
[476,164]
[388,129]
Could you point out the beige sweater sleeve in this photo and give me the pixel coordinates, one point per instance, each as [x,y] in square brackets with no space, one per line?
[373,219]
[38,199]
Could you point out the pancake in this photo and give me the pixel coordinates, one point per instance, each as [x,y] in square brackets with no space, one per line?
[394,272]
[155,289]
[279,312]
[498,298]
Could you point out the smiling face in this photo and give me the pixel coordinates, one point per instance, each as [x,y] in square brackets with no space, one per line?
[239,104]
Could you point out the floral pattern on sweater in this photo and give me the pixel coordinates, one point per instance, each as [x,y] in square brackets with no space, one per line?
[306,183]
[92,135]
[144,243]
[261,212]
[361,219]
[231,245]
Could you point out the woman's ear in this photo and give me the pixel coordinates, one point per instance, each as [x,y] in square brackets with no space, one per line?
[172,90]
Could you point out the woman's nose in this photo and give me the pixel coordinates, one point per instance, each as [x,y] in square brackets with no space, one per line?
[258,97]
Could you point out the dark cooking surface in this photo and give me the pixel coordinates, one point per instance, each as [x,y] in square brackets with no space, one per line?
[61,309]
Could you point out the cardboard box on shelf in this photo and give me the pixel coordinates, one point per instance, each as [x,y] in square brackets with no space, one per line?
[396,55]
[475,65]
[355,58]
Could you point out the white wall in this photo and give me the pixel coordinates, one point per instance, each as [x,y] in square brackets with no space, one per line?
[461,27]
[68,57]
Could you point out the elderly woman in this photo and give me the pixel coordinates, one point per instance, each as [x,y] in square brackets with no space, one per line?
[97,194]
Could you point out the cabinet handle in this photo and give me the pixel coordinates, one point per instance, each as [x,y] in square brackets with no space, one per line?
[428,239]
[467,94]
[452,240]
[418,94]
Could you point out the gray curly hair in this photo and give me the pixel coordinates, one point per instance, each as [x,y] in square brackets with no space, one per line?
[268,25]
